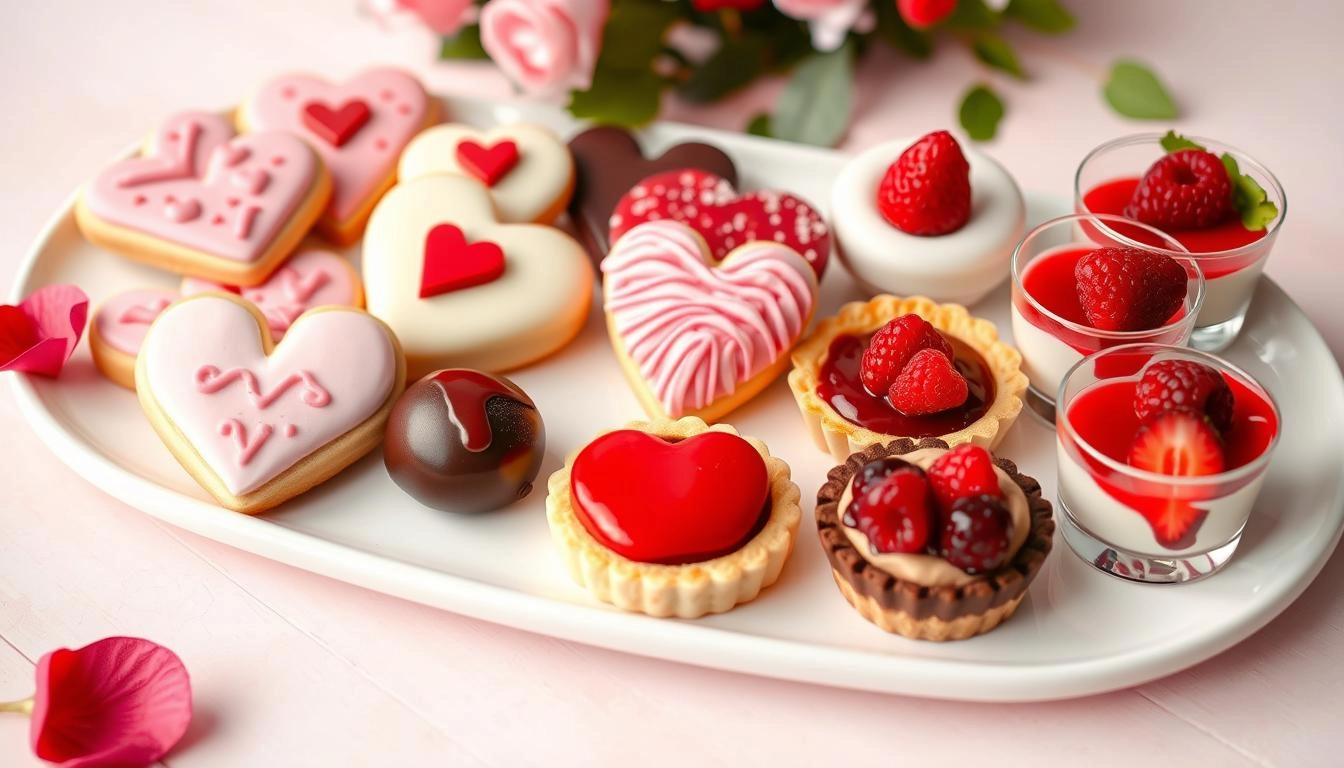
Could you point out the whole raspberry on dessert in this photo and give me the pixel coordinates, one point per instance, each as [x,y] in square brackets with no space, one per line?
[1128,289]
[927,191]
[928,384]
[1169,385]
[894,512]
[893,346]
[967,470]
[1180,443]
[1188,189]
[975,534]
[922,14]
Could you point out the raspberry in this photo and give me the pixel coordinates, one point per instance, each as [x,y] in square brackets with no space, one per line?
[1126,289]
[1169,385]
[927,191]
[975,534]
[922,14]
[966,470]
[1189,189]
[927,384]
[894,513]
[893,346]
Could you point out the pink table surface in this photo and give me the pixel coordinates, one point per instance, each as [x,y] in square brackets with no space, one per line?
[295,669]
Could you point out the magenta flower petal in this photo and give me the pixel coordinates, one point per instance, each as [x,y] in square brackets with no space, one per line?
[40,334]
[117,702]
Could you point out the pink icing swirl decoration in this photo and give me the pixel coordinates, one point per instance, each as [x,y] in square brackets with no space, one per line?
[696,331]
[209,380]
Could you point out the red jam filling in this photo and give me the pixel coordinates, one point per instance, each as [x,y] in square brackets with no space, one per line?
[654,500]
[842,389]
[1112,197]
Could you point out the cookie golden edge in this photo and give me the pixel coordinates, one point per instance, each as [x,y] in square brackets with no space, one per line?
[307,473]
[834,434]
[683,591]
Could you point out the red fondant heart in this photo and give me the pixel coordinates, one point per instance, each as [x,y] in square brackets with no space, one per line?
[489,164]
[655,501]
[451,263]
[710,205]
[336,126]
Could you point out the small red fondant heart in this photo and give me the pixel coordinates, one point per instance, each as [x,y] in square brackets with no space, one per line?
[451,263]
[336,126]
[710,205]
[489,164]
[655,501]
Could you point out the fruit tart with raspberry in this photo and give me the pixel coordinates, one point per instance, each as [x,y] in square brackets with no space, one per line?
[892,367]
[932,542]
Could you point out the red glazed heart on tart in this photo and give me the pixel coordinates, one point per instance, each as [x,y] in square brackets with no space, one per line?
[452,263]
[336,126]
[487,163]
[672,503]
[709,204]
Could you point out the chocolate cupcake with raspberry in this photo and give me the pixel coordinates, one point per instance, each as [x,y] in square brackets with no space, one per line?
[933,543]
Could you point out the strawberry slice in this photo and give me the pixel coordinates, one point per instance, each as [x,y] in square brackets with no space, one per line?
[1181,443]
[1175,523]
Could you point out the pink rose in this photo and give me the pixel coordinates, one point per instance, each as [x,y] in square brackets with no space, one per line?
[829,20]
[545,46]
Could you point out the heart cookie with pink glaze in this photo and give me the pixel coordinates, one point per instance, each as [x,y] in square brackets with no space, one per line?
[254,422]
[528,170]
[310,278]
[463,290]
[118,329]
[698,337]
[359,127]
[200,200]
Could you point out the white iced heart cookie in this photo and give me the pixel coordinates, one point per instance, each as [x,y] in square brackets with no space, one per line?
[960,267]
[256,423]
[698,338]
[527,168]
[463,290]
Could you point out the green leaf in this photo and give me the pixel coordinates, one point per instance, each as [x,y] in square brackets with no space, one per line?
[1042,15]
[1134,91]
[760,125]
[466,44]
[980,113]
[628,98]
[1256,210]
[815,104]
[996,52]
[735,64]
[893,29]
[633,34]
[972,14]
[1175,142]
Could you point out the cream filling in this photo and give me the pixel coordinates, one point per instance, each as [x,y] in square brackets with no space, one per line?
[930,570]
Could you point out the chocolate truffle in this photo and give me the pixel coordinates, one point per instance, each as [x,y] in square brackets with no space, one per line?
[461,440]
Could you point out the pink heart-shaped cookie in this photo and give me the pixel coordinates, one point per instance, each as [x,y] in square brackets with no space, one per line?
[237,201]
[699,338]
[359,127]
[709,205]
[254,422]
[310,278]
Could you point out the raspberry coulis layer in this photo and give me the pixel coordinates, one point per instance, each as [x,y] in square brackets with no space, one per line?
[1112,197]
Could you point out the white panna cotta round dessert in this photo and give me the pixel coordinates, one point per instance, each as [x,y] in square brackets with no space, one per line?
[959,267]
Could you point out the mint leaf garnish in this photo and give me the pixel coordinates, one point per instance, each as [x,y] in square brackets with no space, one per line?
[1256,210]
[1175,142]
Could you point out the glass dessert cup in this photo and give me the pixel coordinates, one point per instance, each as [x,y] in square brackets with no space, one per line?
[1145,526]
[1230,257]
[1052,343]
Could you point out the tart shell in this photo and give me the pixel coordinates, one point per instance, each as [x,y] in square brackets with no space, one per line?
[840,437]
[913,610]
[684,591]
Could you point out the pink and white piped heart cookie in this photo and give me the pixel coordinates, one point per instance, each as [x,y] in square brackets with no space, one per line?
[528,170]
[463,290]
[254,422]
[200,200]
[310,278]
[709,205]
[119,327]
[696,336]
[359,127]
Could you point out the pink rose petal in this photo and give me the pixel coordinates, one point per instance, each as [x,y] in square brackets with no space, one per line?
[119,701]
[40,334]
